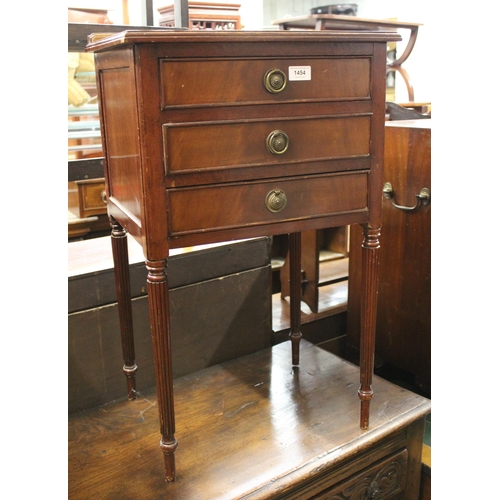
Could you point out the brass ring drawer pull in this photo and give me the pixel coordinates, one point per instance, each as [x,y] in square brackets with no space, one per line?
[275,81]
[103,196]
[423,198]
[277,142]
[276,200]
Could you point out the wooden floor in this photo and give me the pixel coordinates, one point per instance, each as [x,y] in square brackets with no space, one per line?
[246,428]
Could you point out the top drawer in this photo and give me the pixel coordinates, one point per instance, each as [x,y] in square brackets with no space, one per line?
[195,83]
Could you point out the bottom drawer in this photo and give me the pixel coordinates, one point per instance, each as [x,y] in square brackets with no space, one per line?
[225,206]
[381,481]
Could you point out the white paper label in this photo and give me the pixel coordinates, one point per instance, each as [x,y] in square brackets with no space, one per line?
[299,73]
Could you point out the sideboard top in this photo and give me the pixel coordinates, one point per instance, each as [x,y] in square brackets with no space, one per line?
[99,41]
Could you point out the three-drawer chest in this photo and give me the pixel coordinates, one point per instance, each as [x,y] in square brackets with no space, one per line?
[219,136]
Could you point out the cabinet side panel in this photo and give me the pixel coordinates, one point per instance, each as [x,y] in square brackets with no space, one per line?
[121,139]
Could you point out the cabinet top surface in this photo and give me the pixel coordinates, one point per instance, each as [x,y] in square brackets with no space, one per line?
[99,41]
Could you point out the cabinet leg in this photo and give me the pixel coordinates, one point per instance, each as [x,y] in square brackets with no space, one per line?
[122,281]
[309,257]
[295,294]
[160,333]
[369,263]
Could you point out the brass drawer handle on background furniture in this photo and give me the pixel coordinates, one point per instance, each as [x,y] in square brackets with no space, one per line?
[423,198]
[276,200]
[103,196]
[277,142]
[274,81]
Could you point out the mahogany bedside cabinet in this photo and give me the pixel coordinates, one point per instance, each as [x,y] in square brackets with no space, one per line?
[212,137]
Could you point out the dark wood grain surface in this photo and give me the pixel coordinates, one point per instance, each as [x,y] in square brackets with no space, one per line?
[248,428]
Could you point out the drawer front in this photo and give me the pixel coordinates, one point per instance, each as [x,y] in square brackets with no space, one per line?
[243,81]
[381,481]
[227,206]
[189,148]
[92,198]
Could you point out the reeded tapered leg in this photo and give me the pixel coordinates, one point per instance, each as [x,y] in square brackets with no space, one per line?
[369,271]
[160,333]
[122,281]
[295,294]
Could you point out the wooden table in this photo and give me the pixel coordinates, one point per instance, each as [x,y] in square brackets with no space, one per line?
[218,136]
[254,428]
[341,22]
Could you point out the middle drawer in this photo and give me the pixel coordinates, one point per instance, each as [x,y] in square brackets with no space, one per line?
[208,147]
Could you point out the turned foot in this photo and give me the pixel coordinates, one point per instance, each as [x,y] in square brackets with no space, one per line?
[168,449]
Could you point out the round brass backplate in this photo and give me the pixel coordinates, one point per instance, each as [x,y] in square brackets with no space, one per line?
[276,200]
[275,81]
[277,142]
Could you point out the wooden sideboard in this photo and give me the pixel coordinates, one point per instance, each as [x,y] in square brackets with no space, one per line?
[254,429]
[218,136]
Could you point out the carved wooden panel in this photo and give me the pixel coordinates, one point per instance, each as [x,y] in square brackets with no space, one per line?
[379,482]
